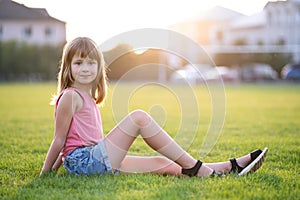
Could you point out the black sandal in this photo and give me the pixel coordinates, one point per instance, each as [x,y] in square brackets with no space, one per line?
[194,171]
[236,168]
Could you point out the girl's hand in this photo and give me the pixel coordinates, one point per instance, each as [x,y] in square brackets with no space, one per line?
[50,173]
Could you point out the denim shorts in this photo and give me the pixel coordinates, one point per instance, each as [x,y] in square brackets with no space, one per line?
[89,160]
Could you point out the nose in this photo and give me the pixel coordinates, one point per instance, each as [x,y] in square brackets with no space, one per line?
[84,68]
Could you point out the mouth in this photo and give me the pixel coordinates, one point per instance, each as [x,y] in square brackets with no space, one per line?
[85,76]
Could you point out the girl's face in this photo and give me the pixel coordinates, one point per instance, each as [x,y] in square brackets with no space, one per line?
[84,70]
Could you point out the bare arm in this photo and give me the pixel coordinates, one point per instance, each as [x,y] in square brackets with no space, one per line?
[58,162]
[53,153]
[64,113]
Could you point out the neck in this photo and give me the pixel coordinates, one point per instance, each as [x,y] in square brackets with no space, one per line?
[84,88]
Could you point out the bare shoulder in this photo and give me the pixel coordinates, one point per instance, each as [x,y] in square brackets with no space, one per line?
[71,100]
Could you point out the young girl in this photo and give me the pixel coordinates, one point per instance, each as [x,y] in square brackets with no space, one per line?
[79,142]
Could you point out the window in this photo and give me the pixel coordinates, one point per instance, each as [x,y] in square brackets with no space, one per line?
[260,42]
[28,31]
[281,41]
[48,32]
[220,36]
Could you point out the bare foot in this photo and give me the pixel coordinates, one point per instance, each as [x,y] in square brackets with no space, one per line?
[244,160]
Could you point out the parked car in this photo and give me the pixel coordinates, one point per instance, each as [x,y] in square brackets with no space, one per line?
[194,74]
[257,71]
[228,74]
[291,72]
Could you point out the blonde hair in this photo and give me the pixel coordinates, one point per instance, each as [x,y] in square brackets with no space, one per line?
[85,47]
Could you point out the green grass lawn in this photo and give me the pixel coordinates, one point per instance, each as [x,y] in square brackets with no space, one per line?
[256,116]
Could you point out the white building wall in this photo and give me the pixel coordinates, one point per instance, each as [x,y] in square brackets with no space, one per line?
[249,36]
[279,26]
[36,32]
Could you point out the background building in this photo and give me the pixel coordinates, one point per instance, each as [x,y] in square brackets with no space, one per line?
[33,25]
[274,30]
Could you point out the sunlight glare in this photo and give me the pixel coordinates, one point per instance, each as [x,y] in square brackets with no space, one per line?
[102,20]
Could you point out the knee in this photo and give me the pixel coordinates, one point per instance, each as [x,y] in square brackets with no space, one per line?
[140,118]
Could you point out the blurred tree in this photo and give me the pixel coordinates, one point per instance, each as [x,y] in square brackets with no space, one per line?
[278,60]
[26,62]
[116,52]
[147,63]
[229,59]
[275,60]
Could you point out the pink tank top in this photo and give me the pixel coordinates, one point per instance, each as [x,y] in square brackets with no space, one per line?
[86,126]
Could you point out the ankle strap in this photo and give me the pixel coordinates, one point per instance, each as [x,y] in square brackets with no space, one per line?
[192,171]
[235,168]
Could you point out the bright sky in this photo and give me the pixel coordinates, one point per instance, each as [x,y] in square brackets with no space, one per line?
[103,19]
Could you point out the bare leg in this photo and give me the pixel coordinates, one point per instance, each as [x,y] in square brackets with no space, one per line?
[119,140]
[162,165]
[151,164]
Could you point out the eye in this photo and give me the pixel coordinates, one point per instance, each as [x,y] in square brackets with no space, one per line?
[92,62]
[77,62]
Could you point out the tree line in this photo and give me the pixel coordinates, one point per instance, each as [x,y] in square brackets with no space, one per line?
[20,61]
